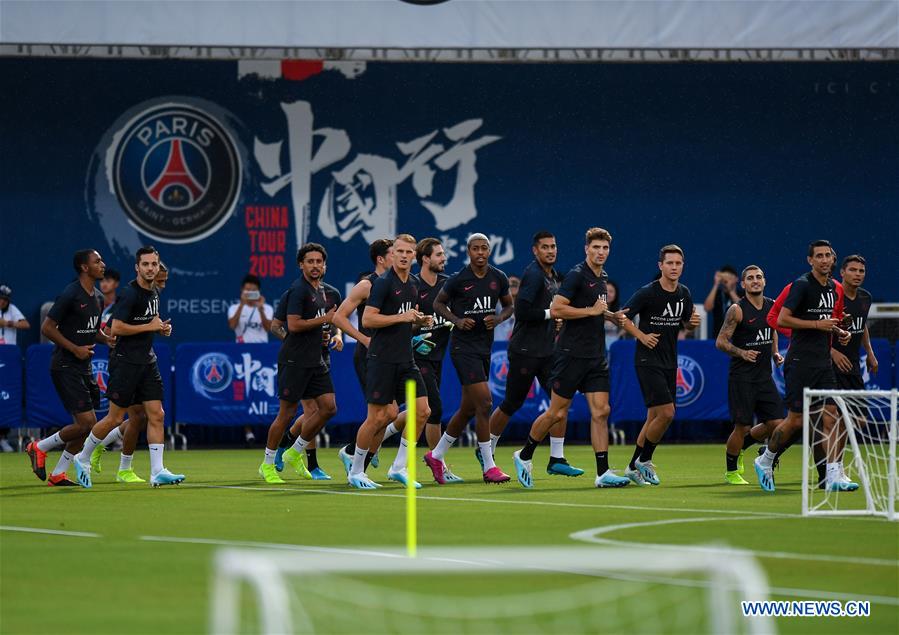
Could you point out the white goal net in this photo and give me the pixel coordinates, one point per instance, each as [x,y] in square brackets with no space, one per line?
[484,590]
[849,453]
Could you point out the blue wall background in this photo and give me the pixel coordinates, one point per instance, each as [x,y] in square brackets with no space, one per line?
[737,163]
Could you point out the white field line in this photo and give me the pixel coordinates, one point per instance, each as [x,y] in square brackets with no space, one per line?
[594,536]
[500,501]
[51,532]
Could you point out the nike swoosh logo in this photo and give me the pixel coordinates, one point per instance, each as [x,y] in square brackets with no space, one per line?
[751,321]
[83,305]
[424,295]
[397,292]
[591,284]
[469,287]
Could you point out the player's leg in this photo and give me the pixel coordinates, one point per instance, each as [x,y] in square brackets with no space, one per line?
[740,398]
[658,388]
[523,458]
[598,403]
[470,370]
[593,378]
[519,379]
[291,384]
[375,419]
[321,389]
[397,471]
[159,474]
[133,426]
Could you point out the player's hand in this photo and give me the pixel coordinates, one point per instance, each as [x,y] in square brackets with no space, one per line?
[778,359]
[490,322]
[694,319]
[366,342]
[336,343]
[329,316]
[84,352]
[846,322]
[599,307]
[649,340]
[619,318]
[155,324]
[840,361]
[872,364]
[426,321]
[465,324]
[843,337]
[749,356]
[166,330]
[412,316]
[827,324]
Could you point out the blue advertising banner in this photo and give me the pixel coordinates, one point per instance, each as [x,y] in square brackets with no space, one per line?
[42,405]
[701,383]
[10,386]
[227,169]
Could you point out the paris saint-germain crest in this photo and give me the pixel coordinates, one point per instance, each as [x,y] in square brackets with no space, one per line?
[175,172]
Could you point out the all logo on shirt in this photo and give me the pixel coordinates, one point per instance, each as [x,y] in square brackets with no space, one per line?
[764,336]
[826,301]
[152,307]
[676,311]
[484,303]
[92,322]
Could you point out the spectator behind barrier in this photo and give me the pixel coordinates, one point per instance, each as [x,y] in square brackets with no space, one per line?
[724,292]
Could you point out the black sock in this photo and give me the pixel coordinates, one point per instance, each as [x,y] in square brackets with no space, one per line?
[748,441]
[350,448]
[602,463]
[648,448]
[638,450]
[527,452]
[287,440]
[311,459]
[731,462]
[367,458]
[793,439]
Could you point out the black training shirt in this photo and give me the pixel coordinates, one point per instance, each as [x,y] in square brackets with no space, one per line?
[533,334]
[586,337]
[304,348]
[391,296]
[810,300]
[77,314]
[857,309]
[136,306]
[753,334]
[472,297]
[661,312]
[440,331]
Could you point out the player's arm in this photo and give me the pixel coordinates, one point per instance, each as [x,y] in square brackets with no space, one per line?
[296,324]
[357,295]
[122,329]
[50,330]
[775,349]
[694,320]
[525,309]
[787,320]
[561,309]
[277,329]
[872,359]
[732,318]
[441,309]
[508,305]
[372,318]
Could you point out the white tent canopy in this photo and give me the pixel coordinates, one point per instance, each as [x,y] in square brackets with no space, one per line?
[456,24]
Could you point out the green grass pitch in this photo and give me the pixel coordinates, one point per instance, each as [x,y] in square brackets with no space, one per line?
[117,581]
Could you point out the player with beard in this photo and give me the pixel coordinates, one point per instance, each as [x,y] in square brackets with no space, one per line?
[808,311]
[73,325]
[468,300]
[751,344]
[301,372]
[530,349]
[381,254]
[129,432]
[579,361]
[663,306]
[390,313]
[134,376]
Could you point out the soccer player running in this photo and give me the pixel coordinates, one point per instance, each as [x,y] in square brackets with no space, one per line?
[301,372]
[807,311]
[133,371]
[390,314]
[579,362]
[129,432]
[468,300]
[531,349]
[846,357]
[329,340]
[73,325]
[662,306]
[751,344]
[381,253]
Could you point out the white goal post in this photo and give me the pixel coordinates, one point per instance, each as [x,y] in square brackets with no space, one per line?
[587,587]
[862,437]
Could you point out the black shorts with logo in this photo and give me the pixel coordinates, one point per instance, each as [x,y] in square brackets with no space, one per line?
[848,381]
[471,369]
[798,379]
[77,388]
[131,384]
[760,399]
[578,374]
[386,382]
[522,371]
[658,385]
[431,372]
[303,382]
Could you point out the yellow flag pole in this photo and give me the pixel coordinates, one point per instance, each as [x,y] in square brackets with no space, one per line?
[411,429]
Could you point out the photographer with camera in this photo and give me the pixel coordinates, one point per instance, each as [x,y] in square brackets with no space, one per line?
[250,319]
